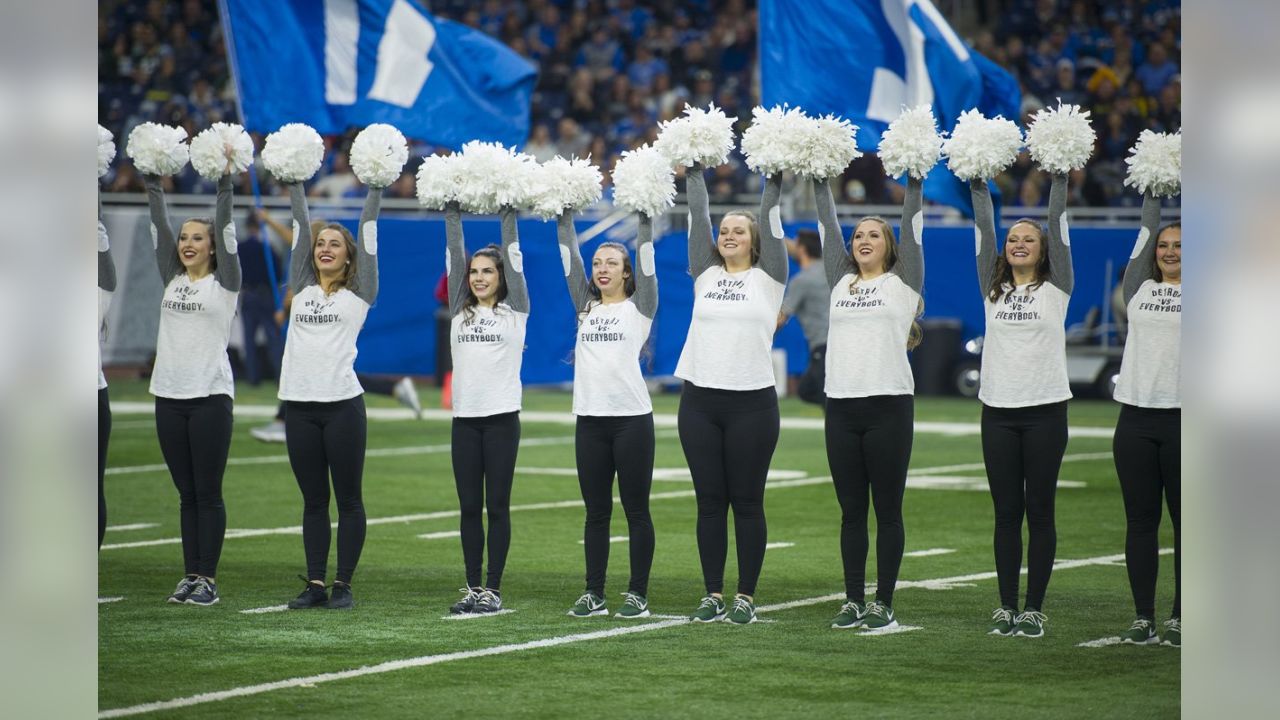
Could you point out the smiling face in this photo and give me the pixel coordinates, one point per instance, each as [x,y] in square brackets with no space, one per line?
[483,279]
[330,252]
[1169,254]
[610,271]
[1024,247]
[736,239]
[195,246]
[870,245]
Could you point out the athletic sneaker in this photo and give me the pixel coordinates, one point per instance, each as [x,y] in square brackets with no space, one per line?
[185,587]
[1172,635]
[633,606]
[589,605]
[467,604]
[1029,623]
[340,597]
[851,614]
[1002,621]
[272,432]
[879,616]
[204,593]
[313,596]
[489,601]
[1141,632]
[743,612]
[407,395]
[710,609]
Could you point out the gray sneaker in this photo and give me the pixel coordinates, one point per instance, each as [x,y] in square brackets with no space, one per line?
[407,395]
[205,593]
[488,602]
[272,432]
[185,587]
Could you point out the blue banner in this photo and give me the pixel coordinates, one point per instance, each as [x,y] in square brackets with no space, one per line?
[333,64]
[865,60]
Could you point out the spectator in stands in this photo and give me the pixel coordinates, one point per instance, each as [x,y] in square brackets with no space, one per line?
[339,181]
[540,145]
[1157,71]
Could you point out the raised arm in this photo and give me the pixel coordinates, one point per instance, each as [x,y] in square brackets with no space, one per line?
[910,265]
[367,247]
[773,244]
[702,251]
[835,256]
[301,270]
[455,256]
[1143,258]
[106,266]
[571,258]
[162,239]
[646,297]
[513,262]
[984,228]
[1061,273]
[224,238]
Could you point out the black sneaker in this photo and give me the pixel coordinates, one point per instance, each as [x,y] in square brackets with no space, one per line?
[312,597]
[467,604]
[205,593]
[185,586]
[340,597]
[489,601]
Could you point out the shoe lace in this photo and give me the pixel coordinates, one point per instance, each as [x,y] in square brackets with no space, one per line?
[741,604]
[708,602]
[487,597]
[1141,624]
[468,592]
[1002,615]
[1033,615]
[1173,624]
[876,608]
[633,600]
[587,600]
[850,607]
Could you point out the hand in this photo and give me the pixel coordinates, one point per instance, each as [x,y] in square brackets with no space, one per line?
[279,317]
[229,152]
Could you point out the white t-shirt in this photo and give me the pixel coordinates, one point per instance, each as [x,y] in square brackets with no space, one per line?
[487,354]
[731,334]
[867,337]
[104,304]
[320,348]
[191,348]
[1024,353]
[606,366]
[1151,370]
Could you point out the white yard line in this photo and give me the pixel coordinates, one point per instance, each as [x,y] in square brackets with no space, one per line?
[779,545]
[134,526]
[441,535]
[929,553]
[268,609]
[105,600]
[478,616]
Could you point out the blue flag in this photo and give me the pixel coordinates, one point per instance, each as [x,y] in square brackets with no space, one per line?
[336,63]
[865,60]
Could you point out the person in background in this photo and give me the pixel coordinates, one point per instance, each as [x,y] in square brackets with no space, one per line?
[260,271]
[808,299]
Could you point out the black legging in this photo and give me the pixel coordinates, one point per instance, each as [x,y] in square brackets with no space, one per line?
[1148,455]
[104,436]
[195,437]
[1022,448]
[484,465]
[728,438]
[869,449]
[327,439]
[605,445]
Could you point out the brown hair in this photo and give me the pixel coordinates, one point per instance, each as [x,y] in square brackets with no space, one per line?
[916,334]
[628,285]
[754,226]
[494,253]
[348,279]
[1003,273]
[208,228]
[1156,273]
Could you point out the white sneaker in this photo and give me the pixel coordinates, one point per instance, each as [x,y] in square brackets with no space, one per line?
[272,432]
[407,395]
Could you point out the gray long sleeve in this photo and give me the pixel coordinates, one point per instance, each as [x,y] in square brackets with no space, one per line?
[166,246]
[301,270]
[106,265]
[702,250]
[646,297]
[455,257]
[224,247]
[1143,259]
[1061,274]
[513,262]
[773,244]
[367,247]
[910,265]
[835,256]
[574,272]
[984,222]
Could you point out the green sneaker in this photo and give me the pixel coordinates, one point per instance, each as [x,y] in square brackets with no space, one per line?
[743,612]
[879,617]
[710,609]
[1002,621]
[633,606]
[1141,632]
[1029,623]
[589,605]
[851,614]
[1172,635]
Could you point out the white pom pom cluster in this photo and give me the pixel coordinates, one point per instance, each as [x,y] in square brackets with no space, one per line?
[1155,164]
[378,155]
[493,177]
[1060,139]
[439,177]
[911,144]
[701,136]
[106,150]
[829,145]
[158,149]
[980,148]
[644,182]
[209,150]
[293,153]
[566,185]
[774,139]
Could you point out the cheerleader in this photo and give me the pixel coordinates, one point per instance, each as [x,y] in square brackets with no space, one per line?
[728,418]
[334,281]
[192,380]
[489,309]
[106,287]
[1148,439]
[1024,393]
[614,415]
[875,300]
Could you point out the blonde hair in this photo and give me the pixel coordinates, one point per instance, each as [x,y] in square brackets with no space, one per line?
[754,227]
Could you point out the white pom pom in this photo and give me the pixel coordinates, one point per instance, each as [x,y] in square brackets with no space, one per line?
[209,150]
[774,140]
[701,136]
[981,148]
[1155,164]
[378,155]
[106,150]
[566,185]
[493,177]
[829,144]
[438,179]
[644,182]
[293,153]
[1060,139]
[911,144]
[158,149]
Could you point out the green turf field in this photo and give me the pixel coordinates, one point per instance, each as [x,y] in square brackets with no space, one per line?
[791,665]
